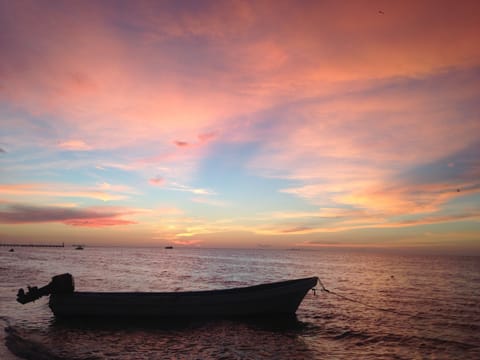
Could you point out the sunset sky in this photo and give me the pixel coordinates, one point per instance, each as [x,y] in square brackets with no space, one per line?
[241,123]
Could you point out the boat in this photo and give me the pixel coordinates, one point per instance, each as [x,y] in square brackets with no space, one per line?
[168,247]
[79,247]
[278,298]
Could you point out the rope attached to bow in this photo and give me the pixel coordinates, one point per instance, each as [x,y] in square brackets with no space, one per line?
[323,288]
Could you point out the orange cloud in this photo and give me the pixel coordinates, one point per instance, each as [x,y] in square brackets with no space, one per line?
[104,192]
[74,145]
[188,242]
[98,222]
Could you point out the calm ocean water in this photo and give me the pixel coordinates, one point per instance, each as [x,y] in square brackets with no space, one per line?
[441,292]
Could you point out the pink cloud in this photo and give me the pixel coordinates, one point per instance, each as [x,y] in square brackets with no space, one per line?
[146,94]
[157,181]
[187,242]
[181,143]
[342,105]
[91,217]
[206,137]
[203,139]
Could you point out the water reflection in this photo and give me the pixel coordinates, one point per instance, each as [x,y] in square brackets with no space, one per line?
[284,323]
[443,290]
[195,338]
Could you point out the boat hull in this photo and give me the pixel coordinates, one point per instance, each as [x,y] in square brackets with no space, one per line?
[260,300]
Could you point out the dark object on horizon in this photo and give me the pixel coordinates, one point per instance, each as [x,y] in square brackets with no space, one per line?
[11,250]
[381,12]
[168,247]
[79,247]
[279,298]
[33,245]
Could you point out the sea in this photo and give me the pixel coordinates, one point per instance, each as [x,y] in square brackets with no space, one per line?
[379,305]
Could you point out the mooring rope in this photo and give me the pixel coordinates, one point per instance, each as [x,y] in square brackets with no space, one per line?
[323,288]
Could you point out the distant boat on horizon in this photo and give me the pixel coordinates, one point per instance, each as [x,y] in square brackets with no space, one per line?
[79,247]
[169,247]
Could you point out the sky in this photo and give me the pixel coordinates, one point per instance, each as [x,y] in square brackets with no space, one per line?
[277,124]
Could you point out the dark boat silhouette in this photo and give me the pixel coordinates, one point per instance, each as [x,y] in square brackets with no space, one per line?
[278,298]
[79,247]
[168,247]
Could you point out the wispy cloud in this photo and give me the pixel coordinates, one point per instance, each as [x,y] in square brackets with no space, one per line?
[358,223]
[243,53]
[90,217]
[202,139]
[74,145]
[104,191]
[193,190]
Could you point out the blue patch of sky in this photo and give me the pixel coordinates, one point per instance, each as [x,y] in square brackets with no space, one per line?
[226,172]
[15,118]
[463,204]
[455,168]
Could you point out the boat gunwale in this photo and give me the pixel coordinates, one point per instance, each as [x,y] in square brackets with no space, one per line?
[244,289]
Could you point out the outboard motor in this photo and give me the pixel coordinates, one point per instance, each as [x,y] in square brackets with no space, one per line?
[60,284]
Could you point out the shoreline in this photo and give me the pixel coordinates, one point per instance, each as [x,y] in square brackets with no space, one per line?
[5,352]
